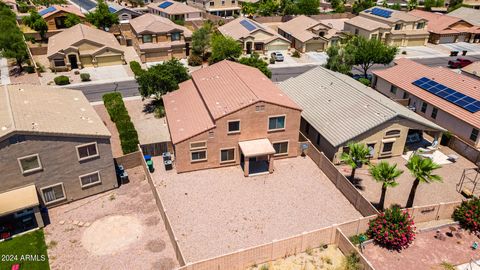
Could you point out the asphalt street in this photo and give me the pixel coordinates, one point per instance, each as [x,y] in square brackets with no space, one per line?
[94,92]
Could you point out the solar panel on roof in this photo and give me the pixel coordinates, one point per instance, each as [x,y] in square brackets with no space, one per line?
[112,10]
[381,12]
[248,25]
[468,103]
[165,4]
[46,11]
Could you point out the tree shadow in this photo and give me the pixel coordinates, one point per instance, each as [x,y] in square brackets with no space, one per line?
[150,106]
[357,183]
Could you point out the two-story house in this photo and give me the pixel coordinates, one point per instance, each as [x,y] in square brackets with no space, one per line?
[156,38]
[394,27]
[54,149]
[56,15]
[446,98]
[230,114]
[222,8]
[175,11]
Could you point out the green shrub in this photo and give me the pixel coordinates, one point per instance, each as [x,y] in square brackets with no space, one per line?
[61,80]
[296,54]
[136,68]
[29,69]
[40,68]
[159,111]
[365,81]
[85,77]
[468,214]
[272,60]
[195,60]
[352,262]
[356,239]
[119,115]
[179,22]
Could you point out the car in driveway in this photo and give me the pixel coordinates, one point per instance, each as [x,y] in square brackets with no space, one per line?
[278,56]
[459,63]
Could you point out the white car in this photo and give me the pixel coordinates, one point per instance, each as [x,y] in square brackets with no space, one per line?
[278,56]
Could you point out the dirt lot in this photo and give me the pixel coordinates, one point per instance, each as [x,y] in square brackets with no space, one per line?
[217,211]
[119,229]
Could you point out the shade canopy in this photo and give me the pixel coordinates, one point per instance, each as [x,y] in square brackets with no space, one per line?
[18,199]
[255,148]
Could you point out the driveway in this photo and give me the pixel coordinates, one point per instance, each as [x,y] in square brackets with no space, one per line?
[472,48]
[420,52]
[117,72]
[218,211]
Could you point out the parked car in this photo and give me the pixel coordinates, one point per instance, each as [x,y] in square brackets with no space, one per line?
[278,56]
[459,63]
[358,76]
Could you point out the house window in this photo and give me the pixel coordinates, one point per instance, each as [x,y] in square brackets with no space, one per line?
[374,36]
[392,133]
[424,107]
[387,148]
[90,179]
[59,62]
[474,135]
[406,95]
[147,38]
[393,89]
[227,155]
[398,26]
[87,151]
[199,155]
[420,25]
[198,151]
[233,1]
[234,126]
[53,193]
[212,4]
[211,134]
[321,34]
[223,3]
[175,36]
[434,113]
[356,31]
[307,128]
[30,163]
[318,139]
[260,108]
[258,46]
[125,16]
[281,148]
[276,123]
[371,149]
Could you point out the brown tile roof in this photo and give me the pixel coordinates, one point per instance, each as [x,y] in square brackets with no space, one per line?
[35,109]
[65,8]
[468,14]
[440,23]
[70,36]
[214,92]
[237,31]
[301,28]
[407,71]
[396,16]
[174,8]
[150,23]
[473,68]
[367,24]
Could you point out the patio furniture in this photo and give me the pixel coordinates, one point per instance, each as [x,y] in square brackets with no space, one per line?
[452,158]
[464,52]
[166,156]
[453,53]
[434,145]
[452,230]
[475,245]
[413,138]
[168,165]
[122,174]
[440,236]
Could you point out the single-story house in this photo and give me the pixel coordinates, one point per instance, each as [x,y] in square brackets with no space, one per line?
[175,11]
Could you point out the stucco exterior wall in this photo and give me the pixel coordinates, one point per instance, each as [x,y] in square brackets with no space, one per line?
[58,156]
[253,125]
[51,20]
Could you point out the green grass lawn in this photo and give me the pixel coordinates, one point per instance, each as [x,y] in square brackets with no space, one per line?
[29,250]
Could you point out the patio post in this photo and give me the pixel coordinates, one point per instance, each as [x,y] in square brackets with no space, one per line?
[270,163]
[38,217]
[246,166]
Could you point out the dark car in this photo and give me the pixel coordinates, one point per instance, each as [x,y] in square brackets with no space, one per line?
[459,63]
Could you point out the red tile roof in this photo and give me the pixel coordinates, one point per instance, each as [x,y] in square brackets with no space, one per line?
[406,71]
[441,24]
[214,92]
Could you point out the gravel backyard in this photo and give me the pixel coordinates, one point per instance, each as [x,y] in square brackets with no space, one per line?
[119,229]
[217,211]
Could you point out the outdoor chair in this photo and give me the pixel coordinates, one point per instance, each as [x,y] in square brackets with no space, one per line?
[475,245]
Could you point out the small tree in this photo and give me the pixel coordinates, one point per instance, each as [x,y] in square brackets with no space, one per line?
[36,22]
[361,5]
[338,6]
[340,59]
[71,20]
[422,169]
[308,7]
[102,17]
[412,4]
[255,61]
[12,44]
[224,48]
[356,156]
[249,9]
[201,40]
[267,7]
[385,174]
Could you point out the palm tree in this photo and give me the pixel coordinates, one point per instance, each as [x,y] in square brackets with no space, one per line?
[421,169]
[357,156]
[386,174]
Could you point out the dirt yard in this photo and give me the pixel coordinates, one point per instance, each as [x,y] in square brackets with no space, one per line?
[119,229]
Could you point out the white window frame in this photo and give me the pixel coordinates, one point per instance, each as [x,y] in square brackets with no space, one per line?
[90,184]
[277,129]
[260,108]
[230,160]
[85,145]
[235,131]
[394,135]
[56,200]
[30,170]
[198,160]
[282,154]
[382,151]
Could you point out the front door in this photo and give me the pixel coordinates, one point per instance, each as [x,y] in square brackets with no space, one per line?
[249,47]
[73,61]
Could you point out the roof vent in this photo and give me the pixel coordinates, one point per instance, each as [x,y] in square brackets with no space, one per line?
[34,125]
[21,89]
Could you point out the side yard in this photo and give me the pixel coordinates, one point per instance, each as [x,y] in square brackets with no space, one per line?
[28,250]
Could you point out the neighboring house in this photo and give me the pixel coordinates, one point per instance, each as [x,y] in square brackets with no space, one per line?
[393,27]
[467,14]
[124,13]
[230,114]
[56,15]
[475,4]
[175,11]
[449,99]
[254,36]
[54,149]
[307,34]
[83,46]
[472,70]
[222,8]
[156,38]
[337,109]
[447,29]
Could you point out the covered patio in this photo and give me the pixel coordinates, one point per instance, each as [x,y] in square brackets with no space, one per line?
[256,157]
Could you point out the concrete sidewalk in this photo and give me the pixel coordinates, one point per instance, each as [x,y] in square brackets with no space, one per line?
[4,76]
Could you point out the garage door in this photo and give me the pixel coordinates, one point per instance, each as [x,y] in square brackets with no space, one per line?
[447,39]
[416,42]
[314,47]
[278,47]
[109,60]
[157,56]
[86,61]
[396,42]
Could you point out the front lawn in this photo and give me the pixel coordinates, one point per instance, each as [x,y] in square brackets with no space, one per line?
[28,250]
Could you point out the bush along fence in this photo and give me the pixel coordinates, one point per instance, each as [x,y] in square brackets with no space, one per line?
[119,115]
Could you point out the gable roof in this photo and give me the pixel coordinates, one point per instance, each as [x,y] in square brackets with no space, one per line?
[51,10]
[473,69]
[395,15]
[341,108]
[79,32]
[468,14]
[173,7]
[34,109]
[367,23]
[301,26]
[155,24]
[439,23]
[241,28]
[214,92]
[411,71]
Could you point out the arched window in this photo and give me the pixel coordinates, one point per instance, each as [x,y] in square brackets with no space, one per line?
[125,16]
[392,133]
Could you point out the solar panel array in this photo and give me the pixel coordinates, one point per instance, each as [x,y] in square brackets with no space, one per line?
[468,103]
[46,11]
[112,10]
[165,4]
[248,25]
[381,12]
